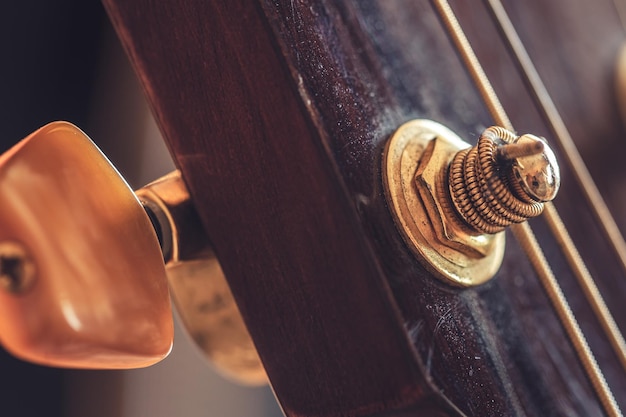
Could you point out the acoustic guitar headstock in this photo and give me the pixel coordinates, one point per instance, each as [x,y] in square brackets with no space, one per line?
[281,118]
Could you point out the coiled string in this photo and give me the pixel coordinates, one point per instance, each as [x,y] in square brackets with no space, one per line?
[484,194]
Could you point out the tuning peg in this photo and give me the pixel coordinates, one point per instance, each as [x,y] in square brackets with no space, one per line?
[83,279]
[451,201]
[199,288]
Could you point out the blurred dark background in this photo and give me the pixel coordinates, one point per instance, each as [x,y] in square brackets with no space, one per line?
[50,63]
[62,61]
[49,66]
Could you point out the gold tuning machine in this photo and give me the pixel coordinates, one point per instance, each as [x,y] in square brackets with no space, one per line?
[452,202]
[83,283]
[197,283]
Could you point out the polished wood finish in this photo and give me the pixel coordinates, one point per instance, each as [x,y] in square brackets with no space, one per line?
[277,113]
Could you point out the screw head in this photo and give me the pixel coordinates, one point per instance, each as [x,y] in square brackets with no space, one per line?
[538,173]
[17,269]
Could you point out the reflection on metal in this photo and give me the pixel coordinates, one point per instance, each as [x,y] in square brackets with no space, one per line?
[197,283]
[414,178]
[452,201]
[502,180]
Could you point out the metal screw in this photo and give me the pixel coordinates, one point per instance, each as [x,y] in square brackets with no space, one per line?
[17,270]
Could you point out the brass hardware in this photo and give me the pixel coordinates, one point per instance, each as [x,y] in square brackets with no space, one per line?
[17,269]
[451,202]
[503,180]
[199,288]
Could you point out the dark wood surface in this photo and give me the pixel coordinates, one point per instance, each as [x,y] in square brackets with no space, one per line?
[277,112]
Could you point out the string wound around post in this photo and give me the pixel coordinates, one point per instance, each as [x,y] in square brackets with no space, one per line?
[452,202]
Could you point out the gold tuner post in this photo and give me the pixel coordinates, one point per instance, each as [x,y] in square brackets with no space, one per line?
[452,202]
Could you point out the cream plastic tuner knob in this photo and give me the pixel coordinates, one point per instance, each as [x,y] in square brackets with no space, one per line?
[82,279]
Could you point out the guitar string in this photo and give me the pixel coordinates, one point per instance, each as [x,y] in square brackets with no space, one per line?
[547,107]
[556,124]
[523,232]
